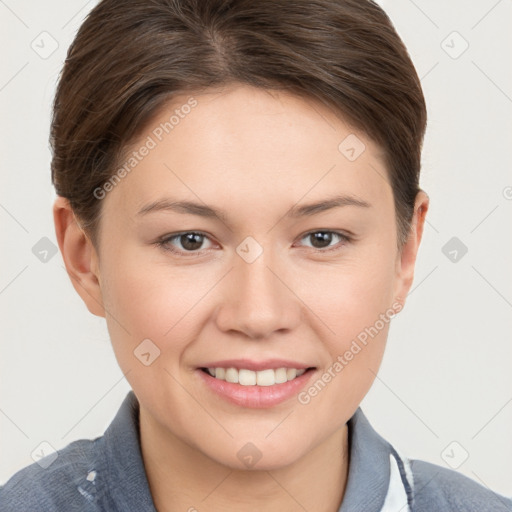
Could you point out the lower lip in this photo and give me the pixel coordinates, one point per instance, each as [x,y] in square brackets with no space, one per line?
[256,397]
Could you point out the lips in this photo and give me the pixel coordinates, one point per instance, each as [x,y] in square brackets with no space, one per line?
[255,384]
[255,366]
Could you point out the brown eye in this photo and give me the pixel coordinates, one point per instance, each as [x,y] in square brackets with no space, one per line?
[322,239]
[189,242]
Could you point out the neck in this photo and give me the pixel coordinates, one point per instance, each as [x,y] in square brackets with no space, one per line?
[182,478]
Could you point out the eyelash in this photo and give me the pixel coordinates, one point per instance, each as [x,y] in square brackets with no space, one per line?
[164,242]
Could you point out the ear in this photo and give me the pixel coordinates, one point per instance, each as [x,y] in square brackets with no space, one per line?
[80,257]
[407,256]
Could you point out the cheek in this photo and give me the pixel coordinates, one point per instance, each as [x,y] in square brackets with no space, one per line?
[352,295]
[359,318]
[151,304]
[147,300]
[354,303]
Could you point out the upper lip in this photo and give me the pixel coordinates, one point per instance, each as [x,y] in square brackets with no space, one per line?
[249,364]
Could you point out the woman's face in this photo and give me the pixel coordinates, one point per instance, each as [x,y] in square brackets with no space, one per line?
[267,283]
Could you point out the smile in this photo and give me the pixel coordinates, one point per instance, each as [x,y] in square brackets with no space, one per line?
[245,377]
[262,385]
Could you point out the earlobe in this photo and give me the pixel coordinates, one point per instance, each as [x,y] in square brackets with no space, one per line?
[79,255]
[409,252]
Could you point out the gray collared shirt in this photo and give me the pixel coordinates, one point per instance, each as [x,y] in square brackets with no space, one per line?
[107,474]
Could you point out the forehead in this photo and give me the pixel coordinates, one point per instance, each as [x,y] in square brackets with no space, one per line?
[244,145]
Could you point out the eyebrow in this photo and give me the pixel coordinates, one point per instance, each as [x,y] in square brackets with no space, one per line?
[297,211]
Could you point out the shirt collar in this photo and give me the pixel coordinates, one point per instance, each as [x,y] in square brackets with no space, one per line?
[128,484]
[367,482]
[369,468]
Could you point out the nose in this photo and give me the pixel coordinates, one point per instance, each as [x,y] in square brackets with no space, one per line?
[258,299]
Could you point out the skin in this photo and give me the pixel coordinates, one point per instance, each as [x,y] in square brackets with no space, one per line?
[255,154]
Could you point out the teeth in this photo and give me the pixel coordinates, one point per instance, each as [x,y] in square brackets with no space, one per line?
[266,378]
[232,375]
[246,377]
[291,373]
[261,378]
[280,374]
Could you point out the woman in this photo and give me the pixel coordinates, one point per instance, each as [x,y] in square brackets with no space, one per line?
[239,197]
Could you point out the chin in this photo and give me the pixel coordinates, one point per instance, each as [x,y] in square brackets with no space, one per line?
[253,457]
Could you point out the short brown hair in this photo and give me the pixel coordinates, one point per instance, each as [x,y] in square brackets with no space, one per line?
[129,57]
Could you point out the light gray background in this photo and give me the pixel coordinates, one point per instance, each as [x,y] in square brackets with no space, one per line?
[446,376]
